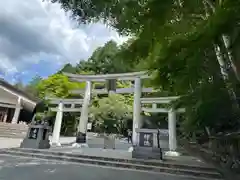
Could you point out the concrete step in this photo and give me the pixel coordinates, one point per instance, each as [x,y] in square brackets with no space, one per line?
[9,133]
[199,172]
[13,125]
[146,153]
[13,130]
[17,136]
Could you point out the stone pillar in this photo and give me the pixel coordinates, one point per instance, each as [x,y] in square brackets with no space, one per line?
[154,106]
[5,116]
[172,133]
[111,86]
[136,109]
[17,111]
[57,126]
[82,127]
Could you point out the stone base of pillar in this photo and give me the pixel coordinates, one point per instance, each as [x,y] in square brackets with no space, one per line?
[55,144]
[172,153]
[14,121]
[81,138]
[130,149]
[78,145]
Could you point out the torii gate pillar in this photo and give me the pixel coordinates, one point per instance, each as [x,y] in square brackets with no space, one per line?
[136,109]
[172,133]
[81,138]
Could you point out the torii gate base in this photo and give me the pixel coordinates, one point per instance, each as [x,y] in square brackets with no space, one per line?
[81,140]
[172,153]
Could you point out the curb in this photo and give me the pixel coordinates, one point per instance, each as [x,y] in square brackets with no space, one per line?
[164,163]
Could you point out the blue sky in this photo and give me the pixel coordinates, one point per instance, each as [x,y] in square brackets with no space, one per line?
[38,38]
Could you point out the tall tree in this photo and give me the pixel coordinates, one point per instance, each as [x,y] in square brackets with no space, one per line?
[112,112]
[57,85]
[19,85]
[31,87]
[166,22]
[106,60]
[190,45]
[68,68]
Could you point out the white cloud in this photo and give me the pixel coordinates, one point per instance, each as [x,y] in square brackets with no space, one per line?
[32,31]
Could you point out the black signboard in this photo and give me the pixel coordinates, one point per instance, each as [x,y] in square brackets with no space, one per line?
[33,133]
[146,139]
[44,134]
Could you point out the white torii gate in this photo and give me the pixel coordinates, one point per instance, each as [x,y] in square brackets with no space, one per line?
[83,124]
[137,90]
[135,76]
[118,91]
[60,109]
[171,118]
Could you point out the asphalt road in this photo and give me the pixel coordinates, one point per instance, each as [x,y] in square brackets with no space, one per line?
[19,168]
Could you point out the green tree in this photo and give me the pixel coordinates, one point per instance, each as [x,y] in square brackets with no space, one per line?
[19,85]
[31,87]
[111,113]
[169,23]
[68,68]
[191,47]
[104,60]
[57,85]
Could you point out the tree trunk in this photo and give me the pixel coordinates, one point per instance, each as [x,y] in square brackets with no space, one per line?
[224,72]
[226,41]
[210,9]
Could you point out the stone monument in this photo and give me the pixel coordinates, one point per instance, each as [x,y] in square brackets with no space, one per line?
[37,135]
[148,146]
[164,139]
[109,141]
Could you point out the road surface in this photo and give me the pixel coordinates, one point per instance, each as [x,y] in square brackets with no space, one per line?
[20,168]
